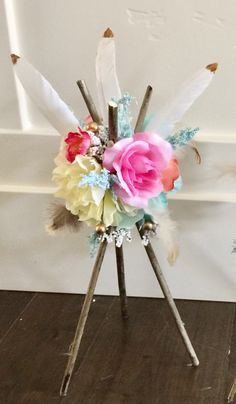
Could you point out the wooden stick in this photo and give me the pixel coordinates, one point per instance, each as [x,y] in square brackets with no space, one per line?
[89,101]
[121,281]
[113,121]
[166,291]
[232,392]
[143,110]
[154,262]
[82,320]
[113,134]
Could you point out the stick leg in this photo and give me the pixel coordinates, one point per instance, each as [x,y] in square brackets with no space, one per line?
[82,320]
[121,280]
[166,291]
[232,392]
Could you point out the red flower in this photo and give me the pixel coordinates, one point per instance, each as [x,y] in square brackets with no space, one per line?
[77,143]
[169,175]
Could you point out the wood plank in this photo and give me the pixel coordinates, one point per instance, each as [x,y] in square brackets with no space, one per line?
[140,360]
[12,305]
[34,354]
[144,360]
[232,363]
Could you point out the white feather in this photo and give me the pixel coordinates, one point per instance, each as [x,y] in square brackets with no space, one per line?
[167,234]
[181,151]
[46,98]
[166,119]
[106,76]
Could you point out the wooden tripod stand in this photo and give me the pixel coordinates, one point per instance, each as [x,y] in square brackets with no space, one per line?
[120,258]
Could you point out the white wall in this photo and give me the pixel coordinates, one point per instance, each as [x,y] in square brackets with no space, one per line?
[158,43]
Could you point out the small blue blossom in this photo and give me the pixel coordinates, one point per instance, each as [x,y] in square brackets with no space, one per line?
[182,137]
[94,241]
[177,185]
[93,179]
[159,202]
[124,117]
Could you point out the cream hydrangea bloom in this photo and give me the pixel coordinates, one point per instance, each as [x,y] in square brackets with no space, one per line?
[91,204]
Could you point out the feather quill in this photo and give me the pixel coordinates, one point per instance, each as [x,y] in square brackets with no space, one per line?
[106,76]
[60,217]
[165,121]
[45,97]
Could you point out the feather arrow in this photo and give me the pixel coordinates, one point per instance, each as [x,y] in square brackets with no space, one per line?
[45,97]
[106,76]
[172,113]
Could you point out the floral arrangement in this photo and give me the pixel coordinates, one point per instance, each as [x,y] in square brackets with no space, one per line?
[114,178]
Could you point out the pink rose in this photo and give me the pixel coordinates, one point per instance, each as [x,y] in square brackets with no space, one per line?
[138,162]
[77,143]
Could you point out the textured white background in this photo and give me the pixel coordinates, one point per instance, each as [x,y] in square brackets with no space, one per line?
[158,43]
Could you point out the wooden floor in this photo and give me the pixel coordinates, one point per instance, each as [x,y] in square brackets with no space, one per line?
[138,361]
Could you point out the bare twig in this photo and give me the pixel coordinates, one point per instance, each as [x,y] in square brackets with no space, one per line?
[232,392]
[113,129]
[143,110]
[82,320]
[89,101]
[121,281]
[166,291]
[113,120]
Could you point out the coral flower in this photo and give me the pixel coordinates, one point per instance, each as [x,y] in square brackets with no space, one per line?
[169,175]
[77,143]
